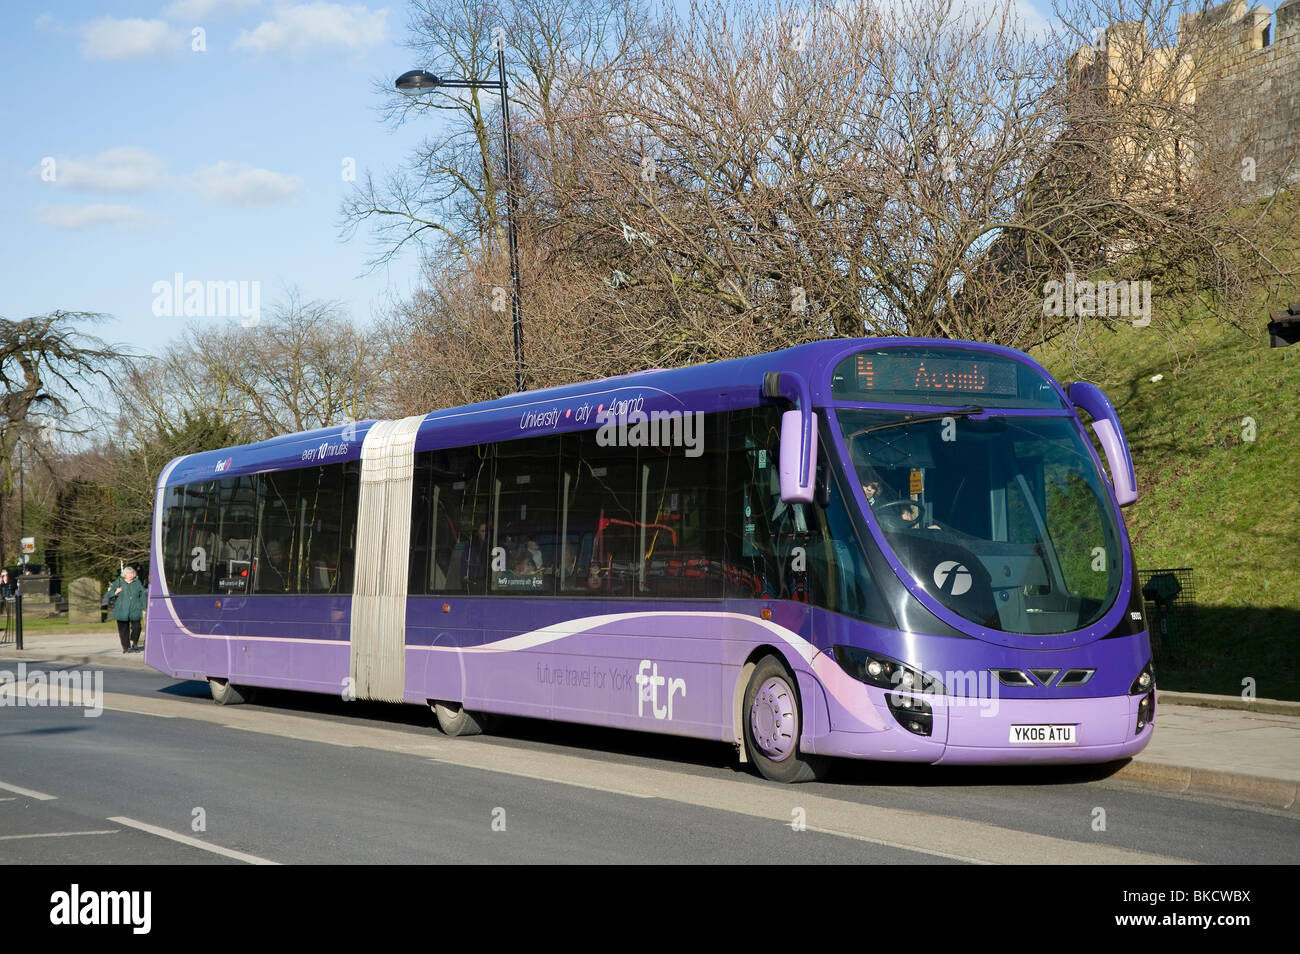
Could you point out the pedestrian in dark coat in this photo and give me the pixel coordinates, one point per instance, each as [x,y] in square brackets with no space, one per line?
[128,608]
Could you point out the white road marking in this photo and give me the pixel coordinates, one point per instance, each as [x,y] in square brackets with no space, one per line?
[60,834]
[192,842]
[18,790]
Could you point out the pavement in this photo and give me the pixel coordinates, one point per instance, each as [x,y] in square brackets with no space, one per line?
[1206,745]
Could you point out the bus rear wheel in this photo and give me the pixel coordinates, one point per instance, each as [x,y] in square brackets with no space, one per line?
[773,722]
[455,720]
[226,693]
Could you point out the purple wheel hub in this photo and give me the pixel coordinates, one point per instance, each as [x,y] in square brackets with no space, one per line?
[774,719]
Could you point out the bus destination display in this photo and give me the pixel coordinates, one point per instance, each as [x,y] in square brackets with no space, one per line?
[965,376]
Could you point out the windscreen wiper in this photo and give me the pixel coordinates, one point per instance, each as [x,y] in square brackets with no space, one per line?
[969,410]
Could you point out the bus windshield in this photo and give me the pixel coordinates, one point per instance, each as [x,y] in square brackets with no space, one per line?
[1004,521]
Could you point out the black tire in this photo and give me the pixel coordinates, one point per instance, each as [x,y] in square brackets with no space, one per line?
[455,720]
[226,693]
[776,755]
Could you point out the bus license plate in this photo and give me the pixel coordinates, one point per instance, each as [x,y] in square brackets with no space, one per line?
[1043,735]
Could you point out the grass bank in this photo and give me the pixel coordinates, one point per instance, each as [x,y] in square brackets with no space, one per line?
[1213,419]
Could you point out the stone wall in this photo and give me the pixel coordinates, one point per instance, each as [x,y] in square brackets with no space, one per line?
[1248,72]
[1237,72]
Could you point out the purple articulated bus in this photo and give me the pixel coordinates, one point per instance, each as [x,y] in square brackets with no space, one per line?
[902,549]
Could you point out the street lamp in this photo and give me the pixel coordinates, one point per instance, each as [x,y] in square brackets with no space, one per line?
[414,82]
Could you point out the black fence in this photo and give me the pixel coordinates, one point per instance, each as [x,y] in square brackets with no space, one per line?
[1170,598]
[6,621]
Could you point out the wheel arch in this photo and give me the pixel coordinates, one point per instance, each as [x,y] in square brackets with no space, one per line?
[742,681]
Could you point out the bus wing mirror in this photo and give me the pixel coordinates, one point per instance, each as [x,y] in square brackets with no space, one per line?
[798,456]
[798,463]
[1105,424]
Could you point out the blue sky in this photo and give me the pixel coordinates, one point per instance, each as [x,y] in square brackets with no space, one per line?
[223,165]
[129,156]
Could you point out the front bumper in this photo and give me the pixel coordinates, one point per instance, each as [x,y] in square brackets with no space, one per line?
[854,721]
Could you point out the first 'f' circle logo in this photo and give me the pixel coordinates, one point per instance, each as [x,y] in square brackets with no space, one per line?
[952,577]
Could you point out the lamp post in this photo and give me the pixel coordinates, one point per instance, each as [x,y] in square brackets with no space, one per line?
[22,500]
[417,81]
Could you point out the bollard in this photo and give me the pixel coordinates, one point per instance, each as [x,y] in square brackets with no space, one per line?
[18,616]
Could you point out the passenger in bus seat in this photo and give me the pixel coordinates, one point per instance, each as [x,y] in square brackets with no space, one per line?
[521,564]
[571,571]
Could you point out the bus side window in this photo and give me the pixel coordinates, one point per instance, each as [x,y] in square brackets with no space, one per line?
[806,552]
[681,512]
[758,543]
[235,505]
[600,500]
[524,503]
[323,514]
[419,570]
[450,521]
[192,546]
[278,532]
[351,477]
[838,576]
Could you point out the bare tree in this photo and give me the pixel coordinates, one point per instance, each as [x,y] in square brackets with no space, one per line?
[47,367]
[303,366]
[448,199]
[923,169]
[105,493]
[750,175]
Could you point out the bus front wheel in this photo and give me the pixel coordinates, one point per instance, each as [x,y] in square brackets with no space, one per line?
[773,723]
[226,693]
[455,720]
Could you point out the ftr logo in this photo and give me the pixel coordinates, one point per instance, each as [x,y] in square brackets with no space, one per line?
[952,574]
[648,690]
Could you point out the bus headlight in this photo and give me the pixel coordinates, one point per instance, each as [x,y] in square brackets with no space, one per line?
[911,712]
[1146,712]
[884,672]
[1145,680]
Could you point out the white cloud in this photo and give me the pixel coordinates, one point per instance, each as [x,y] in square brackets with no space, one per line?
[206,9]
[85,216]
[300,27]
[132,169]
[111,39]
[238,183]
[123,169]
